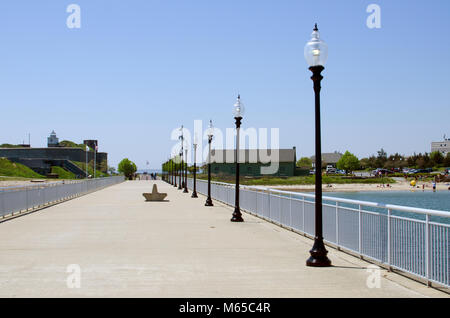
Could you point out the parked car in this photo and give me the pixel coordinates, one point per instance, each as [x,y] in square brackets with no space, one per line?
[383,171]
[312,171]
[427,170]
[331,171]
[330,167]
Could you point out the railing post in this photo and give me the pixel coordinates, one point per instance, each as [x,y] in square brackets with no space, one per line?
[26,193]
[303,215]
[427,249]
[290,210]
[389,239]
[256,202]
[280,210]
[360,231]
[337,225]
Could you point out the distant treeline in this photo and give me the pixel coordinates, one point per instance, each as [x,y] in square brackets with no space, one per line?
[382,160]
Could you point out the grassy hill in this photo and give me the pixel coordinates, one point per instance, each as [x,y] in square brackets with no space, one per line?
[11,169]
[71,144]
[9,146]
[62,173]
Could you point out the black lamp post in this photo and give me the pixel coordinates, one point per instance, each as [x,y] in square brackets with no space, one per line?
[185,173]
[238,112]
[181,180]
[194,192]
[175,169]
[180,172]
[210,137]
[171,171]
[316,53]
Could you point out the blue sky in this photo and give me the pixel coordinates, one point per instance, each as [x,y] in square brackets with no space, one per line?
[135,70]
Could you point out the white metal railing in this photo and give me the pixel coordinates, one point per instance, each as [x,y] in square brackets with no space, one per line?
[412,240]
[23,198]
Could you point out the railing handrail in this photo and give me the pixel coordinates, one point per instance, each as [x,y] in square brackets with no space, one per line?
[52,184]
[348,201]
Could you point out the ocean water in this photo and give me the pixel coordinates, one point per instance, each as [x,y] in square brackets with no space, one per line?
[439,200]
[427,200]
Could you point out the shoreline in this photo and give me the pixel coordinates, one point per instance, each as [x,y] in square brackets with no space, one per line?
[363,187]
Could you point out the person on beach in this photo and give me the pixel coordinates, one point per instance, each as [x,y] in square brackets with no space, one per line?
[434,186]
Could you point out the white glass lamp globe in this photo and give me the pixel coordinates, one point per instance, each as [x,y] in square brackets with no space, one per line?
[238,110]
[316,50]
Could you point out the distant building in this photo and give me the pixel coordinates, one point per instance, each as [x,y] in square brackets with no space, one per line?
[52,140]
[329,158]
[223,161]
[441,146]
[42,159]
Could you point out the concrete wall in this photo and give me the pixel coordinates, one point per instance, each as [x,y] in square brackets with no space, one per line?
[73,154]
[44,166]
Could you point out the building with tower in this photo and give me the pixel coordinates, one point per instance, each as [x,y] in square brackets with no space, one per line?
[442,146]
[52,140]
[67,155]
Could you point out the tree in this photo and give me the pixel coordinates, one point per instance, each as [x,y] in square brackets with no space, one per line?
[128,168]
[420,163]
[348,162]
[395,161]
[365,163]
[381,158]
[304,162]
[447,160]
[437,157]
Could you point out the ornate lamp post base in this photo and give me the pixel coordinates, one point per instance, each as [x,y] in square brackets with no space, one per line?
[237,216]
[194,195]
[209,202]
[318,256]
[185,190]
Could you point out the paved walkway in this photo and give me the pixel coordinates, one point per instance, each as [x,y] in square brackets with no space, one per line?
[180,248]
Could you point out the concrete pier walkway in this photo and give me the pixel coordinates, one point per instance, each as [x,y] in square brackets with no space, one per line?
[126,247]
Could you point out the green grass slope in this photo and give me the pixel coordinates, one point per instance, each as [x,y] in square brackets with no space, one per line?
[11,169]
[62,173]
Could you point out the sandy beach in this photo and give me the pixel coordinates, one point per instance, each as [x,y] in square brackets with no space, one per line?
[398,186]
